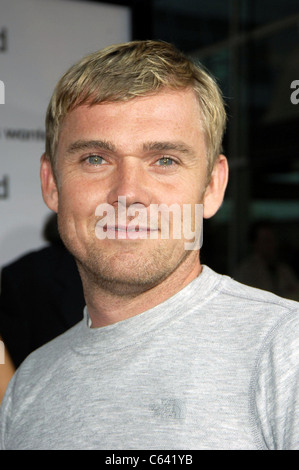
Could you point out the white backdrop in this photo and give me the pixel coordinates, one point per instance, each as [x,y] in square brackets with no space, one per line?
[39,40]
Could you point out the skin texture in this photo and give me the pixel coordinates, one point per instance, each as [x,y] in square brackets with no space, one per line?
[150,150]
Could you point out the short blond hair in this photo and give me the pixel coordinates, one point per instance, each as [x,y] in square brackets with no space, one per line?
[125,71]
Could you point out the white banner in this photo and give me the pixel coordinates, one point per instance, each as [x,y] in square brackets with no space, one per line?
[39,40]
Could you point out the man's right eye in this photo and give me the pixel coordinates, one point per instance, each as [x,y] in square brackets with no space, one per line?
[95,160]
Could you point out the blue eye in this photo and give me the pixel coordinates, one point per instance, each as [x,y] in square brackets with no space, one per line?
[165,161]
[95,160]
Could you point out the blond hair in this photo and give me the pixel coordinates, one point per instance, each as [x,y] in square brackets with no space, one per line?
[137,68]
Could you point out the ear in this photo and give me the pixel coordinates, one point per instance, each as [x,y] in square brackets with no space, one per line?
[48,184]
[215,190]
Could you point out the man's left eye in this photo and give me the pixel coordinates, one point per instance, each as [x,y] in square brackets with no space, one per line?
[165,161]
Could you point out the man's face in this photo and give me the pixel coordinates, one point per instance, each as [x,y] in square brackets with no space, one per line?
[149,150]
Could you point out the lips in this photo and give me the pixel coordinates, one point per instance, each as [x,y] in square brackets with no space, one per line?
[128,229]
[125,232]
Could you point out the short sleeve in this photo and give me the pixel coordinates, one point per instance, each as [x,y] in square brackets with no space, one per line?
[275,387]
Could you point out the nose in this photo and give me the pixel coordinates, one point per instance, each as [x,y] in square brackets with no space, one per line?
[130,183]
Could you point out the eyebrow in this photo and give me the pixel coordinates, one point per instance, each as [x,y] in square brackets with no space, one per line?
[89,145]
[155,146]
[178,146]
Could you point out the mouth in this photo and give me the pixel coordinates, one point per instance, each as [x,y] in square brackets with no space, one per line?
[127,232]
[129,229]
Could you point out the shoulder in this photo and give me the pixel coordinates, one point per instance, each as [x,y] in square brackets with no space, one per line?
[272,324]
[256,313]
[253,298]
[36,380]
[49,359]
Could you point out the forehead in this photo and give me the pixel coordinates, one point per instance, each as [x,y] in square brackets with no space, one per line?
[145,118]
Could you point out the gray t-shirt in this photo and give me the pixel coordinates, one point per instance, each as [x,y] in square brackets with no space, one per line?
[213,367]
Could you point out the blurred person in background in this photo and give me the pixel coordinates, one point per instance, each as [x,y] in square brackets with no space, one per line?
[264,268]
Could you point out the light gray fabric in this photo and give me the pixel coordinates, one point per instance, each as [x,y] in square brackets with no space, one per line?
[213,367]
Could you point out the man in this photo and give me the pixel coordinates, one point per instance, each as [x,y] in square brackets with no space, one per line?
[170,355]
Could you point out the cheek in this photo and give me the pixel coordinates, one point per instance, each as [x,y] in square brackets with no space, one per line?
[76,217]
[189,191]
[192,183]
[79,197]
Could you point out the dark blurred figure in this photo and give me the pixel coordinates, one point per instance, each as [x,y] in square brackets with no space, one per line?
[263,268]
[41,296]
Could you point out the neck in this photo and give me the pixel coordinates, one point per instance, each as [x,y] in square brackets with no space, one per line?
[106,307]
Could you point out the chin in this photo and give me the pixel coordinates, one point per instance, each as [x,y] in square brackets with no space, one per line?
[130,272]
